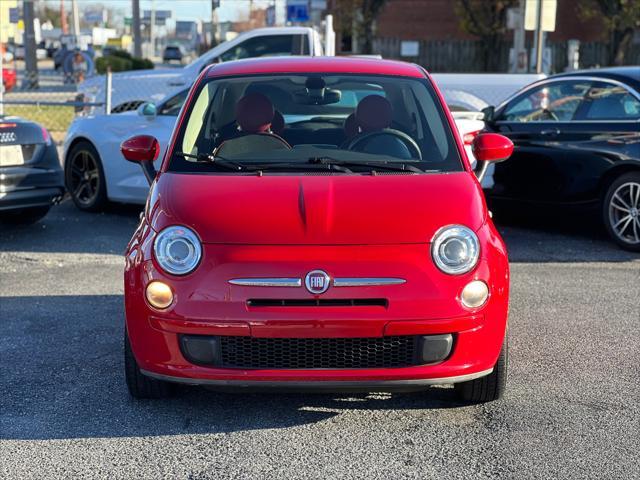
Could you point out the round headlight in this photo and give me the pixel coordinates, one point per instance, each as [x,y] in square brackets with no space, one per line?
[177,249]
[455,249]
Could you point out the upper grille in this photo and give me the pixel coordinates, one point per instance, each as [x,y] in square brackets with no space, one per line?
[312,353]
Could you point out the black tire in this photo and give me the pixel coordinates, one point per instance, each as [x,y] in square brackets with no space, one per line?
[84,178]
[25,216]
[490,387]
[621,211]
[139,385]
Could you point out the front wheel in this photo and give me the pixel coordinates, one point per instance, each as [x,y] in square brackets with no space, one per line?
[84,178]
[490,387]
[621,211]
[139,385]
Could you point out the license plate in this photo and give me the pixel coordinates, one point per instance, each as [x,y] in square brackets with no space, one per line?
[11,155]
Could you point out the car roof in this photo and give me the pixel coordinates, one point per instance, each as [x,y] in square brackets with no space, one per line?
[305,65]
[629,75]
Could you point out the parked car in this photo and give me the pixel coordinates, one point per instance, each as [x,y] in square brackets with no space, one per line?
[92,148]
[132,88]
[577,147]
[9,78]
[30,173]
[303,250]
[172,53]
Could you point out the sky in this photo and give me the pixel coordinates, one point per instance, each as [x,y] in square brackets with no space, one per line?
[229,10]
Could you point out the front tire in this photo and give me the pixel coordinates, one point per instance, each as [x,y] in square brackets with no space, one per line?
[139,385]
[84,178]
[490,387]
[621,211]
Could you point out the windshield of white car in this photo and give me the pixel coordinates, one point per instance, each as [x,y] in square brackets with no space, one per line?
[351,119]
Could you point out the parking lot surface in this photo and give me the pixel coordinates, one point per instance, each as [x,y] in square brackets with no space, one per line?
[571,409]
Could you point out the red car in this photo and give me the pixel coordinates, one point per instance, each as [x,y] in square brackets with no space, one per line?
[9,78]
[315,223]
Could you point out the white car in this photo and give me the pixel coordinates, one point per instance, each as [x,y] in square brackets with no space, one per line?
[95,171]
[470,124]
[130,89]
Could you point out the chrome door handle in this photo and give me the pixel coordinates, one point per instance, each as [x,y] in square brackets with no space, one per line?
[553,132]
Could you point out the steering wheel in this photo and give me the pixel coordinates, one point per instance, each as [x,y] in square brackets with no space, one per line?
[409,142]
[549,114]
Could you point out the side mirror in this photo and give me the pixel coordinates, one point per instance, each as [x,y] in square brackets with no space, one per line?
[148,110]
[488,113]
[142,149]
[490,147]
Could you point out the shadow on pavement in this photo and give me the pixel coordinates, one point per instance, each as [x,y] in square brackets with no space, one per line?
[62,377]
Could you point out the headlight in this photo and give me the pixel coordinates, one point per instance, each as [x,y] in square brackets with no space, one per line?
[177,249]
[455,249]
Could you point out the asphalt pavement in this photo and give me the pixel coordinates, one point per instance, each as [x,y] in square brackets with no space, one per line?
[571,411]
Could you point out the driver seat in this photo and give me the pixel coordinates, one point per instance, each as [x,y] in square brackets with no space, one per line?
[254,115]
[374,113]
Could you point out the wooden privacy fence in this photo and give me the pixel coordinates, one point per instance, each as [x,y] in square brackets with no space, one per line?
[468,56]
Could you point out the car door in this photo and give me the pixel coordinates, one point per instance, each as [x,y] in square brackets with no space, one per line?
[539,121]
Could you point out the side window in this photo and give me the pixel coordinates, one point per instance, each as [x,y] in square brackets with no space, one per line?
[606,101]
[265,46]
[172,106]
[552,102]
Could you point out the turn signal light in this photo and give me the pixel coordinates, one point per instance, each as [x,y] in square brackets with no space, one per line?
[475,294]
[159,294]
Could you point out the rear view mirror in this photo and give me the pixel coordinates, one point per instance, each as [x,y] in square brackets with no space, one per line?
[142,149]
[148,110]
[488,113]
[490,147]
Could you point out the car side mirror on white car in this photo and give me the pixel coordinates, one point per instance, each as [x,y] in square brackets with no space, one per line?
[148,110]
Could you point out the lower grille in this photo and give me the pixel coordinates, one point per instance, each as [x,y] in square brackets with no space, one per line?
[312,353]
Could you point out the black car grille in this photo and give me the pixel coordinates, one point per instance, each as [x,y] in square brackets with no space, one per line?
[311,353]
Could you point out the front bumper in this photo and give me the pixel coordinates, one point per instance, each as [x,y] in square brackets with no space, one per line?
[207,305]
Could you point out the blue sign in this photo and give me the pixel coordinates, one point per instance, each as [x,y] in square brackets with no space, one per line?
[298,11]
[14,15]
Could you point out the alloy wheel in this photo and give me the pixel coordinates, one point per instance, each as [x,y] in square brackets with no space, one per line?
[624,212]
[85,178]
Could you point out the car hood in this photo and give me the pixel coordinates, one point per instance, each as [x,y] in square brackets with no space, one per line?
[315,209]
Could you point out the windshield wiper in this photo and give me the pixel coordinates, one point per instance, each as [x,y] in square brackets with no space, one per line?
[394,166]
[258,167]
[207,158]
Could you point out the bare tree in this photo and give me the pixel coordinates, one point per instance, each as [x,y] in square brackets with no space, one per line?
[620,18]
[358,17]
[487,20]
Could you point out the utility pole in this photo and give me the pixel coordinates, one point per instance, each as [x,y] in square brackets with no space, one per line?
[76,19]
[30,63]
[539,38]
[214,21]
[63,19]
[152,28]
[137,36]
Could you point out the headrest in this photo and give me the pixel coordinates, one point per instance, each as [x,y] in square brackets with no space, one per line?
[350,126]
[374,113]
[254,113]
[277,124]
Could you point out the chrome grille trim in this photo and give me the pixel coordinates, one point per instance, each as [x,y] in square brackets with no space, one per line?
[367,282]
[267,282]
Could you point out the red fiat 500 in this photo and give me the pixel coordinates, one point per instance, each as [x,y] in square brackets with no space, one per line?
[315,223]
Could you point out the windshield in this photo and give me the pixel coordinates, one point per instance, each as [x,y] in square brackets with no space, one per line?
[288,122]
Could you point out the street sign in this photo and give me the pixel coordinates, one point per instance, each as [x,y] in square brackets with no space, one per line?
[549,8]
[94,16]
[297,11]
[14,15]
[128,21]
